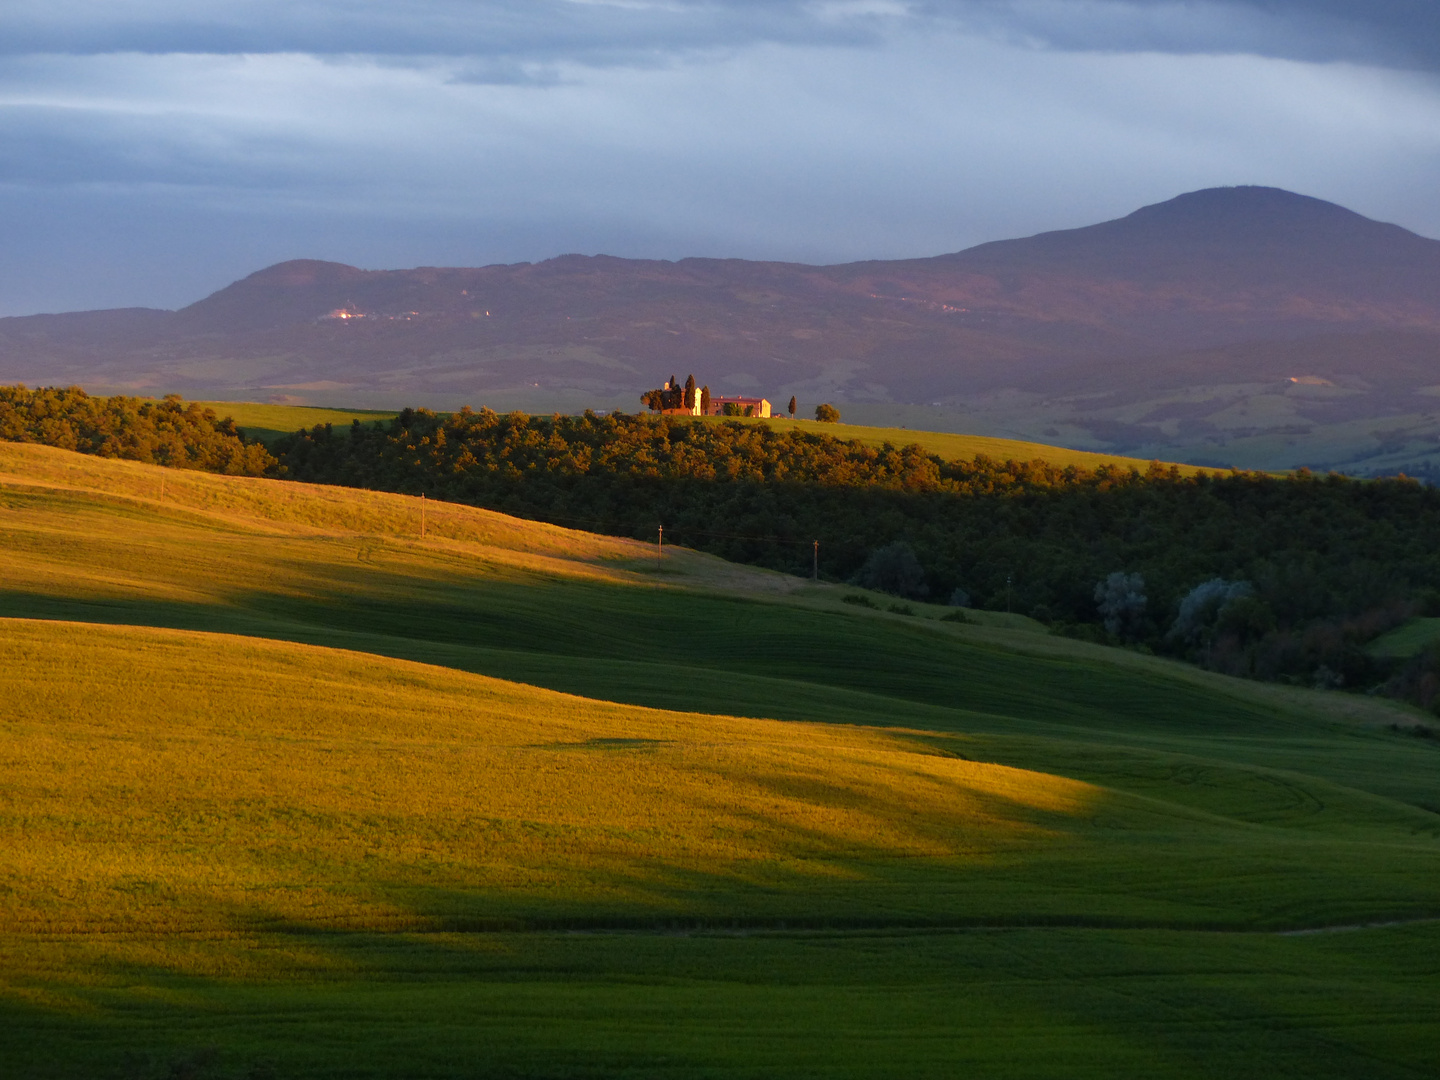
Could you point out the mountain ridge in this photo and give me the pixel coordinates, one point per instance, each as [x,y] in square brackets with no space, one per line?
[1239,274]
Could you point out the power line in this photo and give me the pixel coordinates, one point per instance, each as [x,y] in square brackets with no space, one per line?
[613,526]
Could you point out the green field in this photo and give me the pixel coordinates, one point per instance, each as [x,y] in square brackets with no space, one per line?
[290,790]
[952,446]
[1413,637]
[265,423]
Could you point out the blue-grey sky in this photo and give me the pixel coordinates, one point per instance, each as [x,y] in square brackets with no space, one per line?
[154,150]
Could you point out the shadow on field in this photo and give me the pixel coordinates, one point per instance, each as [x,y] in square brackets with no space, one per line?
[1019,1003]
[703,653]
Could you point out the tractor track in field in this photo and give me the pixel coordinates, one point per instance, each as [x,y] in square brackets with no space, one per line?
[781,929]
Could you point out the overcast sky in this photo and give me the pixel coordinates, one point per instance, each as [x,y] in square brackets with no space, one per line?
[152,151]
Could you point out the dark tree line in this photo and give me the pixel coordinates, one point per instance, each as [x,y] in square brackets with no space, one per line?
[166,432]
[1308,568]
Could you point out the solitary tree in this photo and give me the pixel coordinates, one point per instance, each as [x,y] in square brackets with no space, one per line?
[827,414]
[690,392]
[1120,599]
[792,406]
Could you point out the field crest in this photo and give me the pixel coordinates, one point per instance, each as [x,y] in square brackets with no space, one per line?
[286,509]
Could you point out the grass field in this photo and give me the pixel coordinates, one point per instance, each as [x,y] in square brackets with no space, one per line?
[293,791]
[957,447]
[1407,640]
[267,423]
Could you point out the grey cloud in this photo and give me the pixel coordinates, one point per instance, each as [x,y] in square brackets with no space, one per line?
[596,33]
[1403,33]
[66,146]
[1396,33]
[504,71]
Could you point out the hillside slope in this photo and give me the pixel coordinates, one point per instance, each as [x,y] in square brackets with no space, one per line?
[293,790]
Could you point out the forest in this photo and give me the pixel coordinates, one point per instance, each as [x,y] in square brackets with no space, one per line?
[1251,574]
[165,432]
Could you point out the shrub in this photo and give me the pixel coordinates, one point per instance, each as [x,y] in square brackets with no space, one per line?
[827,414]
[1202,606]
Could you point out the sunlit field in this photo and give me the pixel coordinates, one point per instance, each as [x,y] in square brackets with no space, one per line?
[954,446]
[177,781]
[264,422]
[293,790]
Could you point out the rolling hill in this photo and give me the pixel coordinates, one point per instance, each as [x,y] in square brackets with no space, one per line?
[1239,325]
[295,790]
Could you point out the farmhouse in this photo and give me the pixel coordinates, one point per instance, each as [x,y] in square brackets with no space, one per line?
[739,406]
[673,399]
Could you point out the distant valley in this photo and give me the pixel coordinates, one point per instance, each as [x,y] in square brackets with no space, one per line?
[1245,326]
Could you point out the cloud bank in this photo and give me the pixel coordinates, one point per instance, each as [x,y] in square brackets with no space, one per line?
[1403,33]
[149,154]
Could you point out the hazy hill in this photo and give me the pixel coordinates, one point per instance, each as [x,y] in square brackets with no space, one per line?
[1144,334]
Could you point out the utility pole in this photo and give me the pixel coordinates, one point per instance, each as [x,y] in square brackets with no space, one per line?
[422,515]
[815,566]
[1008,579]
[660,542]
[162,487]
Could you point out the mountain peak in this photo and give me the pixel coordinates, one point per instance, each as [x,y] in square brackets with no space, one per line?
[1242,199]
[1242,210]
[1250,233]
[279,295]
[303,272]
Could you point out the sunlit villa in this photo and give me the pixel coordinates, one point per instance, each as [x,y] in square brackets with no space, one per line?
[737,406]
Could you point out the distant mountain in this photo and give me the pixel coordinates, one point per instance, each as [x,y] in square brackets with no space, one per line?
[1231,292]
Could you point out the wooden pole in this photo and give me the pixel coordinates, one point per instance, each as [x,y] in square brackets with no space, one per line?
[660,542]
[422,515]
[815,566]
